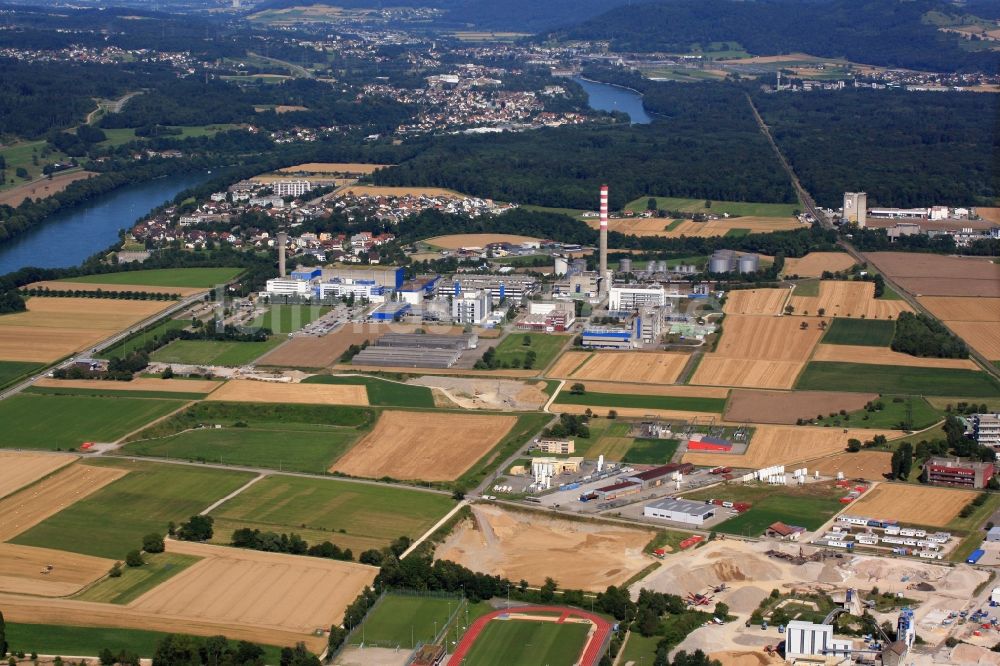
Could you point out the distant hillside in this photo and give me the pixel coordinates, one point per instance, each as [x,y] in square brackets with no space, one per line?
[512,15]
[891,33]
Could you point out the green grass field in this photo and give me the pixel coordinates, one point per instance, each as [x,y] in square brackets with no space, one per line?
[892,415]
[356,515]
[381,392]
[112,521]
[135,581]
[289,318]
[139,340]
[65,422]
[12,371]
[20,154]
[651,451]
[640,649]
[545,347]
[61,639]
[405,621]
[718,207]
[808,288]
[112,391]
[527,643]
[164,277]
[214,352]
[867,332]
[301,448]
[894,379]
[608,437]
[805,506]
[642,401]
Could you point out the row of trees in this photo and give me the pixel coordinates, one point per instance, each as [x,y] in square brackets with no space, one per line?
[128,295]
[920,335]
[292,544]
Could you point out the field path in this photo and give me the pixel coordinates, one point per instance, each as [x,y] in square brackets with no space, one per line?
[233,494]
[433,528]
[121,440]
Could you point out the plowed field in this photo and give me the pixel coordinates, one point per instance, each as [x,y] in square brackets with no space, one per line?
[786,407]
[916,505]
[243,390]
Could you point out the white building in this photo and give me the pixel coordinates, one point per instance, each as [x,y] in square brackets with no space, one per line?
[290,188]
[366,289]
[471,307]
[986,429]
[856,208]
[287,287]
[680,511]
[805,639]
[632,297]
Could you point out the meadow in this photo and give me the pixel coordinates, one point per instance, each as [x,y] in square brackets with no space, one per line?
[289,318]
[135,581]
[113,392]
[12,371]
[33,421]
[404,621]
[351,514]
[651,451]
[545,346]
[145,500]
[139,340]
[718,207]
[163,277]
[528,643]
[214,352]
[804,506]
[381,392]
[893,414]
[894,379]
[867,332]
[680,403]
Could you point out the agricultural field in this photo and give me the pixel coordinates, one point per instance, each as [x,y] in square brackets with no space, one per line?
[939,275]
[52,328]
[651,451]
[458,241]
[56,639]
[664,227]
[58,285]
[353,515]
[381,392]
[806,506]
[677,403]
[759,352]
[756,301]
[42,187]
[626,366]
[787,407]
[532,546]
[24,570]
[195,278]
[870,465]
[145,499]
[975,320]
[214,352]
[860,332]
[787,445]
[885,356]
[334,167]
[839,298]
[717,207]
[140,387]
[545,346]
[894,379]
[21,468]
[404,620]
[322,351]
[136,581]
[12,371]
[913,505]
[432,446]
[138,340]
[246,390]
[815,264]
[28,422]
[894,414]
[528,643]
[32,505]
[282,319]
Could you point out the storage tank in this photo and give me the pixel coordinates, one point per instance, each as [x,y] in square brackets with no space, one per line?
[661,266]
[749,263]
[562,265]
[625,265]
[718,264]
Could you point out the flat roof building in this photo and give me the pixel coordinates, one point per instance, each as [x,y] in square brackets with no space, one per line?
[986,429]
[805,639]
[680,511]
[958,472]
[629,297]
[658,475]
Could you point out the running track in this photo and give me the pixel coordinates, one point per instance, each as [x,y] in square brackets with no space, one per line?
[591,654]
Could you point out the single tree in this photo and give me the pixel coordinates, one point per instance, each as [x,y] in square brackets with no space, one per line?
[134,559]
[152,543]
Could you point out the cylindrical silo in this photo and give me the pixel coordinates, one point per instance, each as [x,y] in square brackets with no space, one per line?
[625,265]
[749,263]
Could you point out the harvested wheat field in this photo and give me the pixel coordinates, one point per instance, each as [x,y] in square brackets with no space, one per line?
[785,407]
[989,214]
[839,298]
[759,352]
[22,468]
[982,336]
[915,505]
[938,275]
[94,286]
[885,356]
[22,567]
[137,384]
[756,301]
[710,228]
[677,390]
[42,188]
[975,320]
[815,263]
[638,412]
[787,445]
[32,505]
[56,327]
[384,191]
[870,465]
[424,445]
[532,546]
[334,167]
[459,241]
[514,374]
[636,226]
[567,363]
[247,390]
[640,367]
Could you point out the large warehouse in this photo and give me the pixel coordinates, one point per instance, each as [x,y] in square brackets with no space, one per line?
[680,511]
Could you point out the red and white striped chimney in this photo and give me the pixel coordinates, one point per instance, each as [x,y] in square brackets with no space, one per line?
[603,259]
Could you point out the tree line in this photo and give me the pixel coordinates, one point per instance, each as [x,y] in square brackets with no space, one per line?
[920,335]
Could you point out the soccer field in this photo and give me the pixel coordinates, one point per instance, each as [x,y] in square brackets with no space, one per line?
[528,643]
[405,621]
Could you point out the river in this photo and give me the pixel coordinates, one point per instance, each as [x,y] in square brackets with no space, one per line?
[606,97]
[68,237]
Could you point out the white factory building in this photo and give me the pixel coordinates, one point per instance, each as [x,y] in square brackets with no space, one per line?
[805,639]
[471,307]
[288,287]
[290,188]
[633,296]
[680,511]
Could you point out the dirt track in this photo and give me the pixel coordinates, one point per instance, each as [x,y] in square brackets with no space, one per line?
[244,390]
[784,407]
[814,263]
[22,567]
[918,505]
[532,546]
[424,445]
[49,496]
[885,356]
[21,468]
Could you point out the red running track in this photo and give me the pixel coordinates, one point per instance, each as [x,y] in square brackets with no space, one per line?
[591,654]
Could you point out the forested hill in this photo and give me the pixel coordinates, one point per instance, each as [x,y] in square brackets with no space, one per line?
[891,33]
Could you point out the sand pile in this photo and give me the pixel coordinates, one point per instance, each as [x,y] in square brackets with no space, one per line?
[733,658]
[963,654]
[746,599]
